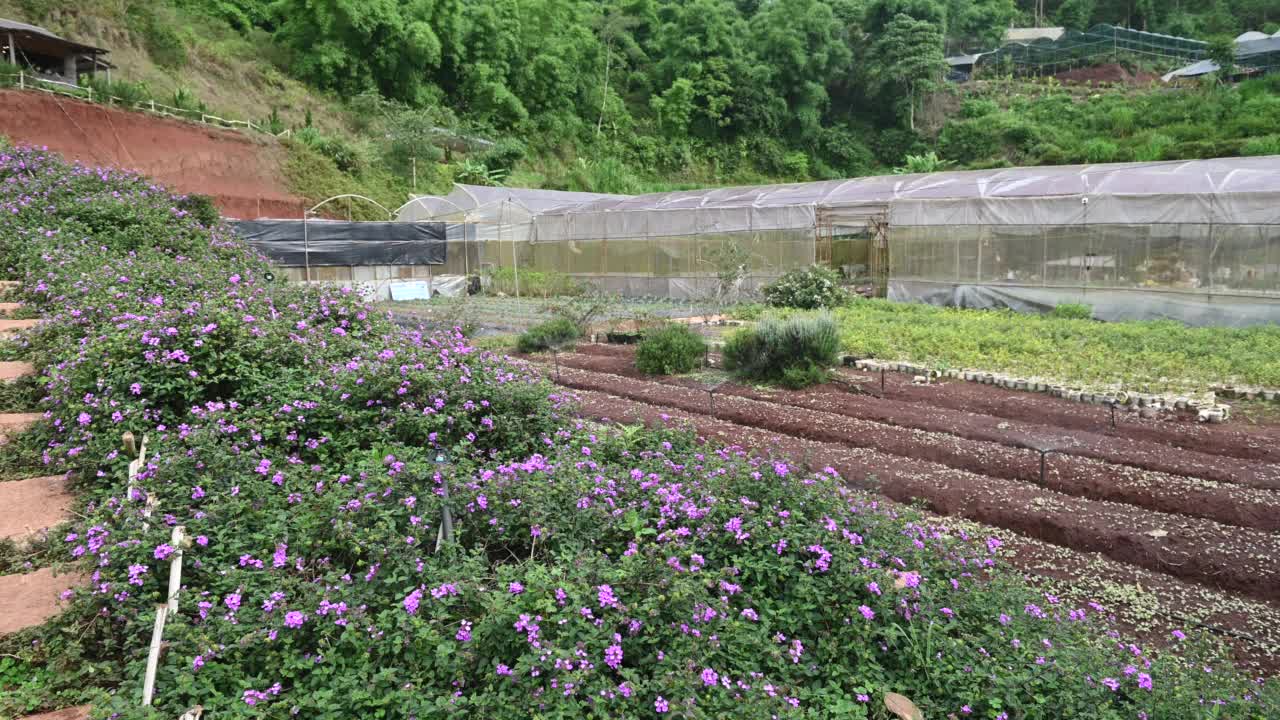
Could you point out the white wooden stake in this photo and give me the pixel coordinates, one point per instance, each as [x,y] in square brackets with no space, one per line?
[153,656]
[178,539]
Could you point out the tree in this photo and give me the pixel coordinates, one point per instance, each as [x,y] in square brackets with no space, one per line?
[909,54]
[1076,14]
[981,21]
[350,45]
[1222,51]
[806,48]
[614,27]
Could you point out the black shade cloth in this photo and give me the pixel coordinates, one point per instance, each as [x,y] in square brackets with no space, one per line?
[333,242]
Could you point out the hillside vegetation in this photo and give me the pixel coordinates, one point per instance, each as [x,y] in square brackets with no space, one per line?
[638,95]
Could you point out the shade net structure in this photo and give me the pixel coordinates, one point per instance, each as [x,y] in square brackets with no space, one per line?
[1197,241]
[1076,48]
[494,222]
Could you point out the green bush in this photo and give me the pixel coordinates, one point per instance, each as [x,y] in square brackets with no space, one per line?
[1100,151]
[809,289]
[544,336]
[1072,311]
[795,352]
[670,350]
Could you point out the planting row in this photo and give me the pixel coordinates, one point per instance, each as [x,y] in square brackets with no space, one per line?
[1149,603]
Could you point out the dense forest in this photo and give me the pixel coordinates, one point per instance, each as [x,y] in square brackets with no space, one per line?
[628,95]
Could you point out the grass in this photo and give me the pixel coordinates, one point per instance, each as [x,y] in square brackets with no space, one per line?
[1152,356]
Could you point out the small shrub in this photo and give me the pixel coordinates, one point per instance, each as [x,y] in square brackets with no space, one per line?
[794,352]
[670,350]
[1072,311]
[810,289]
[544,336]
[802,376]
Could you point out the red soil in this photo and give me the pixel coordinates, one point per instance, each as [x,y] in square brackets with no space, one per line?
[240,171]
[1109,73]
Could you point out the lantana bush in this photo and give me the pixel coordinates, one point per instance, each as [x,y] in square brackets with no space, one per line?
[307,445]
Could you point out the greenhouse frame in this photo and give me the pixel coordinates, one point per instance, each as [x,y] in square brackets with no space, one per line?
[1197,241]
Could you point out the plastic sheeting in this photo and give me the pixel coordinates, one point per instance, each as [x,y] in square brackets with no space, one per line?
[1206,228]
[295,243]
[1110,305]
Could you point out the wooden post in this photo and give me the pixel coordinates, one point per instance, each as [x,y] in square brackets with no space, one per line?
[153,655]
[13,52]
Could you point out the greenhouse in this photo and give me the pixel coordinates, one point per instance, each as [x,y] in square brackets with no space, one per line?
[1075,48]
[1197,241]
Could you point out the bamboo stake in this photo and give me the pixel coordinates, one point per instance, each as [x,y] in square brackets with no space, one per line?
[178,540]
[153,655]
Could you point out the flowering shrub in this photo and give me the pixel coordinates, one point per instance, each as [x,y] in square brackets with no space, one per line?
[307,445]
[812,288]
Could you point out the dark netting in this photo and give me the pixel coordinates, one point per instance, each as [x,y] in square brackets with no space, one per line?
[294,243]
[1076,48]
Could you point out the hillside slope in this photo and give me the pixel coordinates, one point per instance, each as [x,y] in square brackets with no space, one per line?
[241,172]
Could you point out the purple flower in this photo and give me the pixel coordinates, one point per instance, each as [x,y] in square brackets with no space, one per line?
[464,632]
[613,656]
[604,594]
[164,551]
[709,677]
[502,669]
[1111,683]
[1144,681]
[294,619]
[515,588]
[867,612]
[412,600]
[660,705]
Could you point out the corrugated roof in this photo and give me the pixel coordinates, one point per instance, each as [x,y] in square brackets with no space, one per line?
[21,28]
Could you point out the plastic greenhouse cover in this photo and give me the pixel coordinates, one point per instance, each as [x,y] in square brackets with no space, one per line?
[332,242]
[1229,190]
[468,198]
